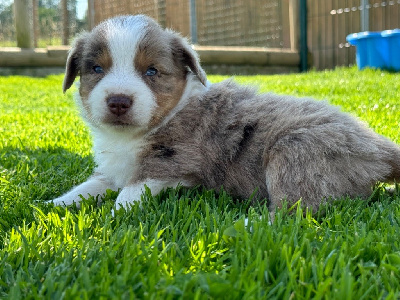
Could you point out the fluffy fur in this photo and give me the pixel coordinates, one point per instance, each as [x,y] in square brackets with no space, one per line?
[157,122]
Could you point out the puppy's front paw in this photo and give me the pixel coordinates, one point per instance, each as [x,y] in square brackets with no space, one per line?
[128,196]
[65,201]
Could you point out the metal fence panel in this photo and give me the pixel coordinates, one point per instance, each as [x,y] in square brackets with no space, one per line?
[219,22]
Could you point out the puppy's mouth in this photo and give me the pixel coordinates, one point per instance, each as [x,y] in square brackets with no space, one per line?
[122,121]
[124,125]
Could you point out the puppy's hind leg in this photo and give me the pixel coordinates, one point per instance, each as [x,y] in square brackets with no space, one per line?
[297,168]
[288,179]
[392,157]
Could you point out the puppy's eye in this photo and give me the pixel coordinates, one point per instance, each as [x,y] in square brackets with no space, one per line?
[98,70]
[151,71]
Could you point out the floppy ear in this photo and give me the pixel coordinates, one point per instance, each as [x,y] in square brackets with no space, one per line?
[184,52]
[73,62]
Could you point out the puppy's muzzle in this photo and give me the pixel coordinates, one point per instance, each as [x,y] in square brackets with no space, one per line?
[119,104]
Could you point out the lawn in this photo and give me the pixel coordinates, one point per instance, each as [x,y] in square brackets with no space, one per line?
[186,243]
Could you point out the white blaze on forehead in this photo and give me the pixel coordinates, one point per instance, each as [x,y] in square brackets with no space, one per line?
[123,36]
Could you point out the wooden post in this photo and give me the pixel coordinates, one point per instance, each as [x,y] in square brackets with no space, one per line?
[65,19]
[23,23]
[294,24]
[35,17]
[285,23]
[91,14]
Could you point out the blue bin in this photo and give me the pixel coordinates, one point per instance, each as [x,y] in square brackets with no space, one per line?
[377,49]
[371,49]
[393,41]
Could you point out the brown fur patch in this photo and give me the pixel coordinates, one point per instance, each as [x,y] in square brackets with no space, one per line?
[96,53]
[155,50]
[74,61]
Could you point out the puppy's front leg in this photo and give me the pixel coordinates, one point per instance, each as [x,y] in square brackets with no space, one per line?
[132,193]
[95,185]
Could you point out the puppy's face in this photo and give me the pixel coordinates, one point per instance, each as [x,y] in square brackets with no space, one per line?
[132,72]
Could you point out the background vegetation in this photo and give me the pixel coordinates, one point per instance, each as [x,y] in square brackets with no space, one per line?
[185,243]
[49,25]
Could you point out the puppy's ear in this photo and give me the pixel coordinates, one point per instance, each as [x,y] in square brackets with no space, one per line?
[188,57]
[73,61]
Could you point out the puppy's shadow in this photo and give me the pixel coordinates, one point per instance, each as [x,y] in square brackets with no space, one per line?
[42,174]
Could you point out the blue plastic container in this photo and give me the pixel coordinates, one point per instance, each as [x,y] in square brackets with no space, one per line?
[377,49]
[371,49]
[393,41]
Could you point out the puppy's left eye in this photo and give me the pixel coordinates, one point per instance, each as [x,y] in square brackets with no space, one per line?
[98,69]
[151,71]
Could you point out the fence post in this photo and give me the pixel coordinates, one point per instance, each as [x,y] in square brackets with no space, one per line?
[294,24]
[65,22]
[193,21]
[23,23]
[35,22]
[91,14]
[303,36]
[364,15]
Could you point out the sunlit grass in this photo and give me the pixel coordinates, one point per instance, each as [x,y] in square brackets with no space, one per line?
[185,243]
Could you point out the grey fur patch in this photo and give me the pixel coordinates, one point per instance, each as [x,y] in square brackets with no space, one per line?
[281,147]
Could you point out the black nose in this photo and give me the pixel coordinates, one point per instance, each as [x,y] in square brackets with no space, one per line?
[119,104]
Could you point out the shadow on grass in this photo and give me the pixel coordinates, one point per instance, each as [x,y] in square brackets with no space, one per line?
[30,177]
[43,173]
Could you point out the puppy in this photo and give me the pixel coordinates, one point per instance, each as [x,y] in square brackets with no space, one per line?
[156,121]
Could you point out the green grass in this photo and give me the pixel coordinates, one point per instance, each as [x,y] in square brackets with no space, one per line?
[190,244]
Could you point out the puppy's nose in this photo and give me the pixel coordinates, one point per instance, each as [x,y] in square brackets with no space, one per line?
[119,104]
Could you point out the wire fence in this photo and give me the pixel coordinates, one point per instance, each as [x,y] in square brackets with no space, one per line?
[240,23]
[265,22]
[218,22]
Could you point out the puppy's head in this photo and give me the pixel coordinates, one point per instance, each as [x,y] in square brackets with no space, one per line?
[132,72]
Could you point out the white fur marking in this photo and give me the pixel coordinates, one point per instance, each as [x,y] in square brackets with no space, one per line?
[95,185]
[123,42]
[116,155]
[133,193]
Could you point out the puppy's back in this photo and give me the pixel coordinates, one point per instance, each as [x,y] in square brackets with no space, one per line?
[278,147]
[292,148]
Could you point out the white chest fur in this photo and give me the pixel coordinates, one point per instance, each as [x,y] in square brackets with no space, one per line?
[116,156]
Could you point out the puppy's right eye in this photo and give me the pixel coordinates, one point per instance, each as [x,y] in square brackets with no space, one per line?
[151,71]
[98,70]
